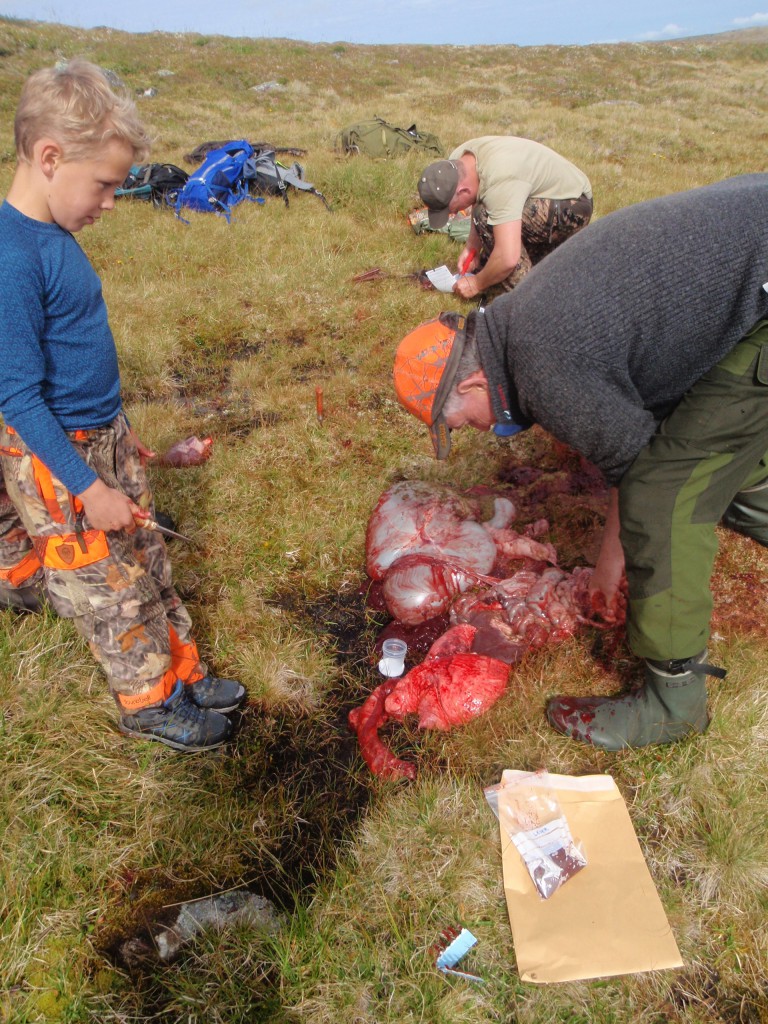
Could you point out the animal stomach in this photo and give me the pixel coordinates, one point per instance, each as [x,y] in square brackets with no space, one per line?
[418,587]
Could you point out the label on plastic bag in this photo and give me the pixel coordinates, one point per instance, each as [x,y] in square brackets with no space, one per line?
[549,855]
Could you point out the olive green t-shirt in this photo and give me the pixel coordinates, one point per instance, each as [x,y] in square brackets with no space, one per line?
[513,170]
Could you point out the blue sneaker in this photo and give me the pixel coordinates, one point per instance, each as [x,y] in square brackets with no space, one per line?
[216,694]
[179,723]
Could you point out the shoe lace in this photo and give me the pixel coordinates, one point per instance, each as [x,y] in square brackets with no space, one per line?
[182,710]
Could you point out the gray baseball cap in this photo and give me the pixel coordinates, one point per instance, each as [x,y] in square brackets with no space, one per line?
[437,186]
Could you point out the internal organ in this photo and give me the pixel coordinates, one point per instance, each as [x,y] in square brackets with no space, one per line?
[527,611]
[427,545]
[413,517]
[449,688]
[451,691]
[419,587]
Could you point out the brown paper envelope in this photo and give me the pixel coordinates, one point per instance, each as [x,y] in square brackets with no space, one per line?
[605,920]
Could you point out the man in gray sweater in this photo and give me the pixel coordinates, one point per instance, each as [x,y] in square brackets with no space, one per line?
[643,344]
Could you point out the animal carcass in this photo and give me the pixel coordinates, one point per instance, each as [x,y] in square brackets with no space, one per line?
[434,554]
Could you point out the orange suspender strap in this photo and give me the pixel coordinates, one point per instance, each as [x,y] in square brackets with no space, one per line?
[185,661]
[45,489]
[20,573]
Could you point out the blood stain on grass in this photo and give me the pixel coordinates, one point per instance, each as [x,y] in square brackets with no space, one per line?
[301,778]
[739,587]
[309,766]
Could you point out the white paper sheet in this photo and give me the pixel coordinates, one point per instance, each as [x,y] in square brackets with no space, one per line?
[442,279]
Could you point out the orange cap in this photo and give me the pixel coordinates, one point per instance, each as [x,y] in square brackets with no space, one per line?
[425,366]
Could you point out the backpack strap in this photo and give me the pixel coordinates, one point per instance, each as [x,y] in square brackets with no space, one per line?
[291,177]
[281,183]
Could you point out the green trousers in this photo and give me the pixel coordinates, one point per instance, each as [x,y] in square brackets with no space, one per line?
[705,462]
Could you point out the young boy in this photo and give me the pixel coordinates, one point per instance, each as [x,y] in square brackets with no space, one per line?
[72,467]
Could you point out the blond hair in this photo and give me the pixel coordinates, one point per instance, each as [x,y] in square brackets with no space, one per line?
[77,105]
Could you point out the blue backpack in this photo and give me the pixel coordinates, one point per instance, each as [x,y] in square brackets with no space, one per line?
[220,182]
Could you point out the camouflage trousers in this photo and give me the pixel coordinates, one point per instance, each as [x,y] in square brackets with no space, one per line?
[546,223]
[115,587]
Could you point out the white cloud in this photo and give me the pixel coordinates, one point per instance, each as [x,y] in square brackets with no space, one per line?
[753,19]
[668,32]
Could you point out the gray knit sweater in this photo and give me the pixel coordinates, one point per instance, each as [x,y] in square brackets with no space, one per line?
[601,340]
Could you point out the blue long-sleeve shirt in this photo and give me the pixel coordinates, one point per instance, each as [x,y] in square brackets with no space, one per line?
[58,362]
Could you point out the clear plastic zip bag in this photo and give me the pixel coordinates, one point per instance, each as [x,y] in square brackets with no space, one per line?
[530,813]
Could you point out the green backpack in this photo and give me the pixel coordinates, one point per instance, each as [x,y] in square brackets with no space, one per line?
[378,138]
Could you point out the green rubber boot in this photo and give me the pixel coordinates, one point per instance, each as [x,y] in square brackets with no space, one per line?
[748,513]
[670,703]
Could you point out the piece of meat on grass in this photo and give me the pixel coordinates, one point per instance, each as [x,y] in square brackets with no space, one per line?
[448,692]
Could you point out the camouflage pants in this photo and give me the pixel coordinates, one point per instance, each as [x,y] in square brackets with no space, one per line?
[115,587]
[22,583]
[546,223]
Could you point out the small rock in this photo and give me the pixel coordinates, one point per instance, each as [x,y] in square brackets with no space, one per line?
[113,78]
[268,87]
[165,73]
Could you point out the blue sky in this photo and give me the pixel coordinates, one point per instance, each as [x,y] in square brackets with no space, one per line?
[525,22]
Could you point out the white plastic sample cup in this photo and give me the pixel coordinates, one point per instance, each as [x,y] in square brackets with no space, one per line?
[392,663]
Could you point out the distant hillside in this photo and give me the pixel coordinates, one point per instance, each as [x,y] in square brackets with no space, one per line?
[758,34]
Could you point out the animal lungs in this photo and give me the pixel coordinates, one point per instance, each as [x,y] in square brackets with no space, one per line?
[446,692]
[449,688]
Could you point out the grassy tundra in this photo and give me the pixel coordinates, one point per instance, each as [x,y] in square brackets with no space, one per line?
[228,330]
